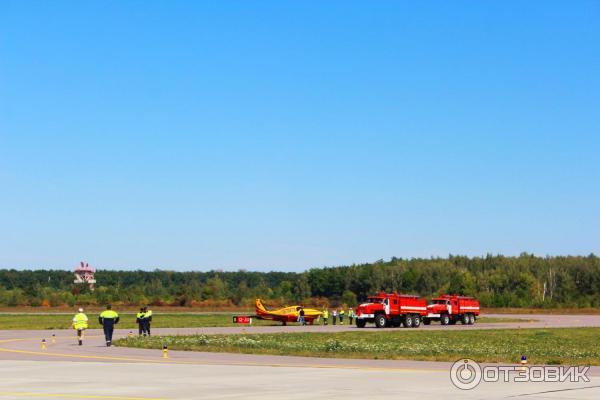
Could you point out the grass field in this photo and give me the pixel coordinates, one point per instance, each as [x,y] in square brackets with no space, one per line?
[574,346]
[63,321]
[167,320]
[564,310]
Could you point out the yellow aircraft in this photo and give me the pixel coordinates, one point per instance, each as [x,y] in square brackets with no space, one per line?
[287,314]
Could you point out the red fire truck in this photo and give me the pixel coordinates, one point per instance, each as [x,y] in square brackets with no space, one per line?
[449,309]
[391,310]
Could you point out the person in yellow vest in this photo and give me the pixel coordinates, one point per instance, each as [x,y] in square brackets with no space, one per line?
[108,319]
[325,316]
[342,316]
[80,324]
[139,319]
[351,316]
[147,320]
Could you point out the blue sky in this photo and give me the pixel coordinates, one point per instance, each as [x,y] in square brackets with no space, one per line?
[287,135]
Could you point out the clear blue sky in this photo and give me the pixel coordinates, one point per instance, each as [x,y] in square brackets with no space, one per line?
[289,134]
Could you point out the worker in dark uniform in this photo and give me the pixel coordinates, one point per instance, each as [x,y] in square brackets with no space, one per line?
[301,316]
[108,319]
[147,320]
[139,319]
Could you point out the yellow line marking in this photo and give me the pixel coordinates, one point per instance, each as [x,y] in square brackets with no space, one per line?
[75,355]
[233,363]
[11,340]
[242,364]
[75,396]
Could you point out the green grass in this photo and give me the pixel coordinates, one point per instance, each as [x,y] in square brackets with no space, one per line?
[160,320]
[63,321]
[574,346]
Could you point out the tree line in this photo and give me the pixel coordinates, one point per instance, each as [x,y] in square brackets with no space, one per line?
[498,281]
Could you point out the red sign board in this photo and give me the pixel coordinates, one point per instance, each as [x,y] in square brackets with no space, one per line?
[240,319]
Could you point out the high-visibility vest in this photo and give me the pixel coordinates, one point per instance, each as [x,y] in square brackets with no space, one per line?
[80,321]
[342,312]
[139,316]
[148,314]
[326,314]
[109,314]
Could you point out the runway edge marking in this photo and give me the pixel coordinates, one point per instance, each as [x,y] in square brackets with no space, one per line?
[241,364]
[75,396]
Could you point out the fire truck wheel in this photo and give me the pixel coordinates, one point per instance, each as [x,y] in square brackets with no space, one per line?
[416,321]
[408,321]
[471,319]
[465,319]
[444,319]
[426,321]
[380,321]
[360,323]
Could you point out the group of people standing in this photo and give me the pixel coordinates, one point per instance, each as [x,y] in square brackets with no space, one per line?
[143,319]
[108,319]
[335,314]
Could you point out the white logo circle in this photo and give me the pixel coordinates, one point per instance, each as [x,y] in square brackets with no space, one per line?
[465,374]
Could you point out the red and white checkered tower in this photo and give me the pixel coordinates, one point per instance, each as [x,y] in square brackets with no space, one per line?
[85,274]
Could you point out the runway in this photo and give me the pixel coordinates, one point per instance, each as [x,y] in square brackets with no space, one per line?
[92,371]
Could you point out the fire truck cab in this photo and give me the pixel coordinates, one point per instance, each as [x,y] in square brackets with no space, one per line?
[449,309]
[391,309]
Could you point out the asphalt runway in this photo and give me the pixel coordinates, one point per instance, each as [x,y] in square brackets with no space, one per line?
[93,371]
